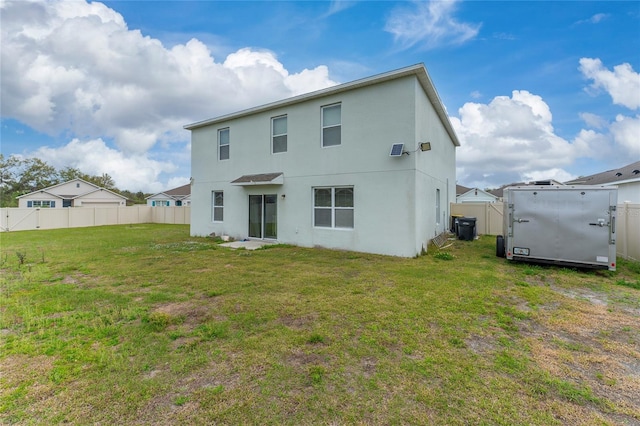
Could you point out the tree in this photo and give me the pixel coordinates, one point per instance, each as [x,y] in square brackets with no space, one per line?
[23,175]
[104,181]
[69,173]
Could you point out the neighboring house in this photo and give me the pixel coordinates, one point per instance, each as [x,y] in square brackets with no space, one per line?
[176,197]
[476,195]
[328,168]
[626,178]
[74,193]
[499,192]
[461,189]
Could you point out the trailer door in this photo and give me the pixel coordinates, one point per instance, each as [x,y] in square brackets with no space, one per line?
[570,225]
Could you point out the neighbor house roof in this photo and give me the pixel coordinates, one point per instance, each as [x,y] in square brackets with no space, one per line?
[52,190]
[628,173]
[178,193]
[499,192]
[475,191]
[417,70]
[461,189]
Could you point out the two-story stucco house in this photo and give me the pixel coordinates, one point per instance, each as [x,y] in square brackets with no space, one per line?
[73,193]
[366,166]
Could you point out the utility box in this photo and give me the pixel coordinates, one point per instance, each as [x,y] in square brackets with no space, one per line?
[564,225]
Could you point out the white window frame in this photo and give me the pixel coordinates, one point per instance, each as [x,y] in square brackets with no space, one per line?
[323,127]
[41,204]
[333,208]
[274,135]
[215,207]
[220,144]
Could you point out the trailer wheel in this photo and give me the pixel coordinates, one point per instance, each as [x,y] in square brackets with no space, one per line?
[500,246]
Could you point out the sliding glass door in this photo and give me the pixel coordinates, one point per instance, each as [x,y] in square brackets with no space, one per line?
[263,216]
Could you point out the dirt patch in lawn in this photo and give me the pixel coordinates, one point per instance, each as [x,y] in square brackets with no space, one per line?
[185,398]
[595,345]
[190,313]
[298,323]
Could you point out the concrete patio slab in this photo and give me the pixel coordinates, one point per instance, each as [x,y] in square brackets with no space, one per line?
[248,245]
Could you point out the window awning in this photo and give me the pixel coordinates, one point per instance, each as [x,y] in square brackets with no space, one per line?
[260,179]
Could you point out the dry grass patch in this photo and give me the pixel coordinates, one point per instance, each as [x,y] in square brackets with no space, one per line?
[594,345]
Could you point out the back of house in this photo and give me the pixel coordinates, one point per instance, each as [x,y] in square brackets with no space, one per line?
[318,169]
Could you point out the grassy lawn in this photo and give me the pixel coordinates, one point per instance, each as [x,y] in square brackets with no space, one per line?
[145,325]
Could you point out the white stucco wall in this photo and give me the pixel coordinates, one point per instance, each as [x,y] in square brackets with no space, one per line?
[435,171]
[394,210]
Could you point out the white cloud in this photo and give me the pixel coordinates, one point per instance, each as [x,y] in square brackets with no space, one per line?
[94,157]
[76,68]
[554,173]
[595,19]
[512,139]
[593,120]
[622,84]
[430,24]
[598,17]
[338,6]
[626,134]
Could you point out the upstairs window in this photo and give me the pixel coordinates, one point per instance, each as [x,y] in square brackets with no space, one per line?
[279,134]
[331,125]
[223,144]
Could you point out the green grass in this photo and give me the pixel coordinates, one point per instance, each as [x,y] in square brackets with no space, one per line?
[144,324]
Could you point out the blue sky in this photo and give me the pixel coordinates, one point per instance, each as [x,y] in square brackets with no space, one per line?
[535,90]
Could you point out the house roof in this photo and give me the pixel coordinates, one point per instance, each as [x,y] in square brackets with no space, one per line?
[51,190]
[475,191]
[461,189]
[628,173]
[418,70]
[499,192]
[179,193]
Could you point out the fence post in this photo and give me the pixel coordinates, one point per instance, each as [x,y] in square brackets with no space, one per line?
[487,219]
[625,214]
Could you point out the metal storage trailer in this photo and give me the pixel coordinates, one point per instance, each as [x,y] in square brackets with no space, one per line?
[564,225]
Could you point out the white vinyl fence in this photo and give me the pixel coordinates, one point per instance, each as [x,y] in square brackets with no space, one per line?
[489,222]
[16,219]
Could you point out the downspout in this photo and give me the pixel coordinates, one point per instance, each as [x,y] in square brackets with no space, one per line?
[447,212]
